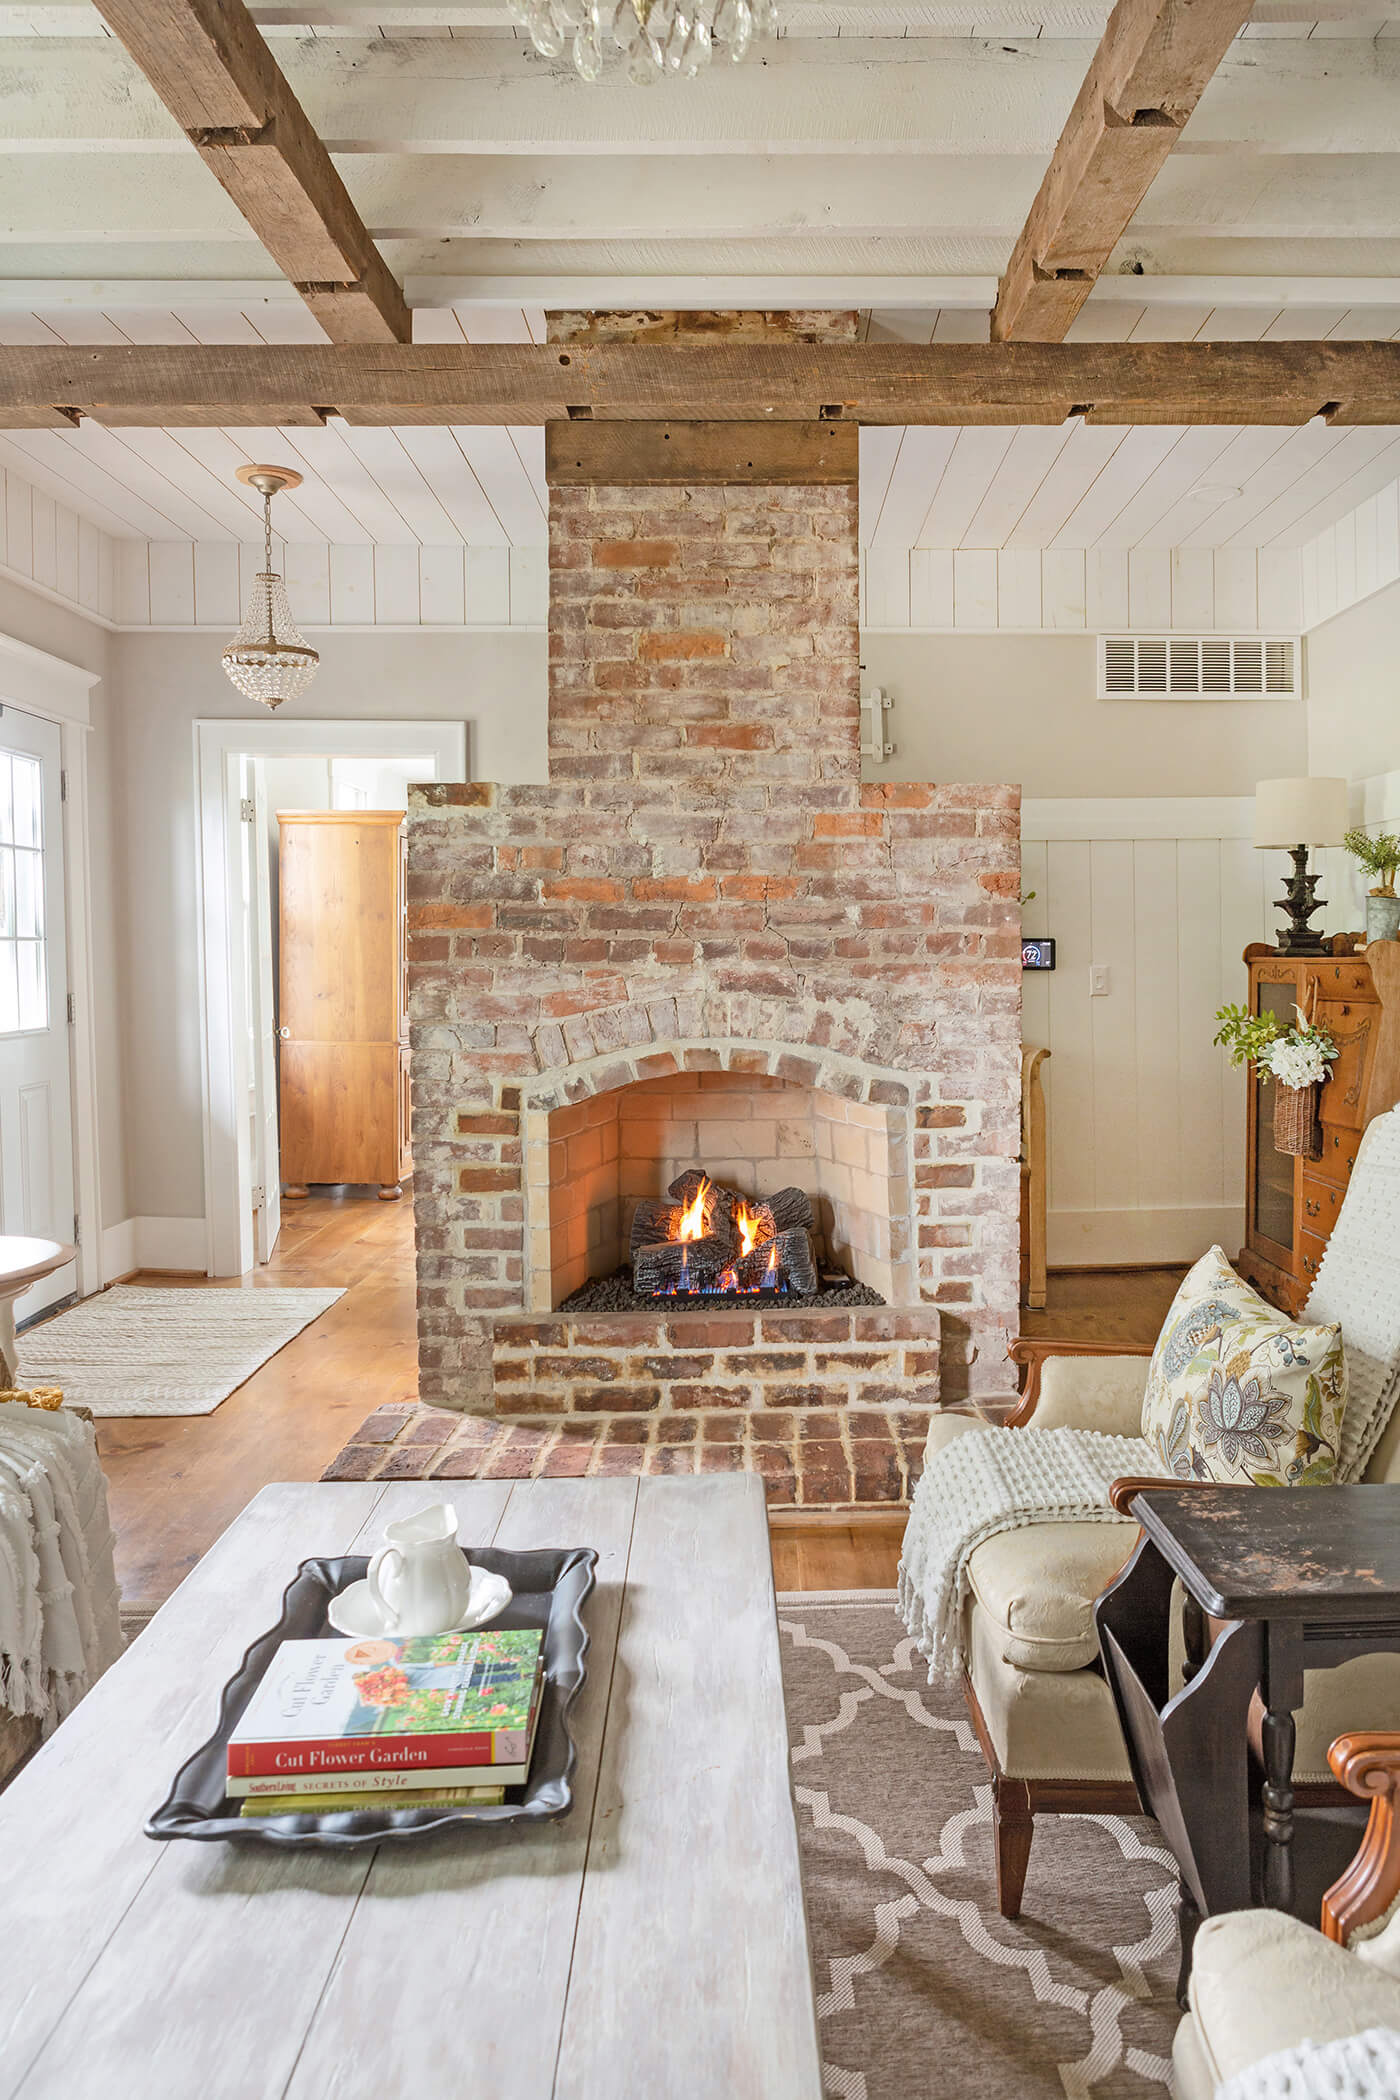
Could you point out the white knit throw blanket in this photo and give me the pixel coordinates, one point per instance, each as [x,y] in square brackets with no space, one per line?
[59,1625]
[1359,2067]
[991,1481]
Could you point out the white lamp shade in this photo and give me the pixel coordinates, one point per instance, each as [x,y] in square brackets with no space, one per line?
[1310,812]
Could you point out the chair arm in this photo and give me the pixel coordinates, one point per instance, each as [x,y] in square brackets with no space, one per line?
[1368,1766]
[1031,1354]
[1121,1492]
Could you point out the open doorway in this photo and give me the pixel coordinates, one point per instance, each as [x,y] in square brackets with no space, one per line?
[250,773]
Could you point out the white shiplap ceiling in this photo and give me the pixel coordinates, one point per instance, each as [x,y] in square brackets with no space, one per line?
[872,146]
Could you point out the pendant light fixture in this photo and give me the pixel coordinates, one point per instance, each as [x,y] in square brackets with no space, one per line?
[268,659]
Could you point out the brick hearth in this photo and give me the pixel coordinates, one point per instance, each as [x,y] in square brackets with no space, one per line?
[705,895]
[807,1458]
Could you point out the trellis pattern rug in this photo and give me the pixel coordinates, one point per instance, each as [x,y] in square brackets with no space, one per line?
[922,1987]
[172,1351]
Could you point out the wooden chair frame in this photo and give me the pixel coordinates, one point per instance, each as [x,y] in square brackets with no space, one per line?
[1368,1766]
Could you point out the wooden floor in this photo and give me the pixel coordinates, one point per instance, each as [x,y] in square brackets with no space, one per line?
[176,1482]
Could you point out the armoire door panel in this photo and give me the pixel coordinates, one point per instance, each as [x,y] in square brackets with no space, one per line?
[340,947]
[340,1112]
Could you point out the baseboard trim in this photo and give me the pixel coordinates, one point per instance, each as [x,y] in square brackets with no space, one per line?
[1102,1239]
[177,1246]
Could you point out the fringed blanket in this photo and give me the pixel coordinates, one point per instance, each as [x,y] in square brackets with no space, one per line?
[1362,2067]
[991,1481]
[59,1627]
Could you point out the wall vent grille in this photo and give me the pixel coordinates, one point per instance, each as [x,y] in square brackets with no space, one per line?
[1198,667]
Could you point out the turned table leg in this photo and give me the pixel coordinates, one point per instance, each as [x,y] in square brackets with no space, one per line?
[1283,1691]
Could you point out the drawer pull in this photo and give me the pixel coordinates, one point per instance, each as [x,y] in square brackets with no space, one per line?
[1310,1265]
[1312,1208]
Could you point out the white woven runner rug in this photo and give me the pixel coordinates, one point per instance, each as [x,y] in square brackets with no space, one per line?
[171,1351]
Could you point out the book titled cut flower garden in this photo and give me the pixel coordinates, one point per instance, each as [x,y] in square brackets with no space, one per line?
[379,1715]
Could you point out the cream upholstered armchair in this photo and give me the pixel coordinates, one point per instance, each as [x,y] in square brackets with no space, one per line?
[1041,1707]
[1262,1982]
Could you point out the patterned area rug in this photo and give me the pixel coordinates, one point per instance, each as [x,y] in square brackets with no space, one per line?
[172,1351]
[922,1987]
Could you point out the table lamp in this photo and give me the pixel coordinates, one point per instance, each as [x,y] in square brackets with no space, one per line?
[1293,815]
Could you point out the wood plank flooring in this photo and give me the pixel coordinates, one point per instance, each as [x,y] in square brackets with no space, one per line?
[176,1482]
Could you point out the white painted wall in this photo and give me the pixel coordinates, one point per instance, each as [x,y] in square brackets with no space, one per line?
[1022,707]
[493,682]
[1153,590]
[1353,685]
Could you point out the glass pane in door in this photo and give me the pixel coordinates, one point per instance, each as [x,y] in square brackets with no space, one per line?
[1273,1170]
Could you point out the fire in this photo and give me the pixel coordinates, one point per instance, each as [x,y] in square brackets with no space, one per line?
[693,1216]
[747,1222]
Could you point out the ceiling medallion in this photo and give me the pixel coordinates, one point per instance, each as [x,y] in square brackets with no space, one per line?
[268,659]
[654,36]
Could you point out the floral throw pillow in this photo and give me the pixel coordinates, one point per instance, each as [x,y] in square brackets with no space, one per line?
[1237,1391]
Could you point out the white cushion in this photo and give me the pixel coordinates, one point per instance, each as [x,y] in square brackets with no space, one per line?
[1043,1724]
[1092,1392]
[1038,1584]
[1261,1982]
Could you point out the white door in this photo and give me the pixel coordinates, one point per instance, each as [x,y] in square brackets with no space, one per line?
[36,1114]
[264,1148]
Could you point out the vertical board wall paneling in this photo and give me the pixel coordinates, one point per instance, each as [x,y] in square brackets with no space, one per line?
[1158,590]
[1146,1117]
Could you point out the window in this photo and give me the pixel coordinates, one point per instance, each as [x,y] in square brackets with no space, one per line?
[24,963]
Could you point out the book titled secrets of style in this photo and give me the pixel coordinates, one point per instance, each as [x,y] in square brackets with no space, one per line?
[451,1699]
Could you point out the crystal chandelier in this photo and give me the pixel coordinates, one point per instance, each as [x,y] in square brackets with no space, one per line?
[654,36]
[267,658]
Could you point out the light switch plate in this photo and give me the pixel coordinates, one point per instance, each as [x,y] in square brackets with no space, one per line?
[1098,980]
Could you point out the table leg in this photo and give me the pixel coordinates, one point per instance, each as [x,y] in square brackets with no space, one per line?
[1283,1691]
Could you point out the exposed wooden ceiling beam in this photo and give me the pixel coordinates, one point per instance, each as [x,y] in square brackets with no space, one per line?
[211,68]
[690,455]
[1148,74]
[522,383]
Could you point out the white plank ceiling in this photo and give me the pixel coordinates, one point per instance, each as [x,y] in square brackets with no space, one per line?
[877,154]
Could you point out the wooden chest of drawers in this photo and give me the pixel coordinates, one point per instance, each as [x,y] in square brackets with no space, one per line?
[1291,1204]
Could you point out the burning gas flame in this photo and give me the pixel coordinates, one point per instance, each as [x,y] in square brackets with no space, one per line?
[771,1273]
[693,1216]
[747,1222]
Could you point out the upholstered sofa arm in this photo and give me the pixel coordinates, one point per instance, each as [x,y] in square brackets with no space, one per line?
[1082,1385]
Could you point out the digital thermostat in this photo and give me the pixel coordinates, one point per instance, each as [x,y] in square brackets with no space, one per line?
[1038,955]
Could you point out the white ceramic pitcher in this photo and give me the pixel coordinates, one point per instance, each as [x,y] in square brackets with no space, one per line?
[421,1580]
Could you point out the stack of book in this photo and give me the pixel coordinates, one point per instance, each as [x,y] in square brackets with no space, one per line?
[444,1720]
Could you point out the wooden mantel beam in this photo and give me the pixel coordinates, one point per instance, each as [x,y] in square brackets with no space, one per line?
[1146,78]
[207,61]
[523,383]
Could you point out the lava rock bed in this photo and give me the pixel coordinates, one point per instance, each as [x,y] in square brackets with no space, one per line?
[605,1294]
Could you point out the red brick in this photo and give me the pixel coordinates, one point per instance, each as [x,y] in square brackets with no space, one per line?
[721,1458]
[620,1458]
[586,1368]
[382,1426]
[671,1458]
[708,1396]
[408,1462]
[723,1428]
[618,1399]
[569,1460]
[759,1363]
[355,1462]
[681,645]
[487,1126]
[578,890]
[634,554]
[431,1427]
[508,1465]
[848,824]
[486,1181]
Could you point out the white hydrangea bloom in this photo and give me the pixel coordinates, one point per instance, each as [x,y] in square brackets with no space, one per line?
[1297,1063]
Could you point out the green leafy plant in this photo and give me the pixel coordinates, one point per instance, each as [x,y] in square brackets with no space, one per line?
[1379,856]
[1245,1035]
[1296,1056]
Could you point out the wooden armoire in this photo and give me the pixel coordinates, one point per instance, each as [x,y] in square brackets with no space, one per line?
[342,998]
[1291,1203]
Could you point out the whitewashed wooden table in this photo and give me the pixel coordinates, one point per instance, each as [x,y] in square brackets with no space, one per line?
[652,1944]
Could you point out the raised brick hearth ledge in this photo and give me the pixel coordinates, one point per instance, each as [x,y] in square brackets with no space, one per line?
[808,1458]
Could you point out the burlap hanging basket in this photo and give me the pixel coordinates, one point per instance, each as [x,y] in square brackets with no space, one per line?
[1296,1125]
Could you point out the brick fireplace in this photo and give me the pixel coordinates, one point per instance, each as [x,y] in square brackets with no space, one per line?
[706,942]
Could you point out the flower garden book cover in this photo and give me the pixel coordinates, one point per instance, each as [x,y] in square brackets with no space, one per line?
[452,1699]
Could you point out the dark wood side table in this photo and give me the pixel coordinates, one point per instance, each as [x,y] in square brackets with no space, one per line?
[1294,1579]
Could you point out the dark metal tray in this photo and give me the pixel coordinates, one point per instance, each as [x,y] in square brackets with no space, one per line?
[549,1590]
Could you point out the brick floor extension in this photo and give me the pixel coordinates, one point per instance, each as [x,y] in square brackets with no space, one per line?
[859,1458]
